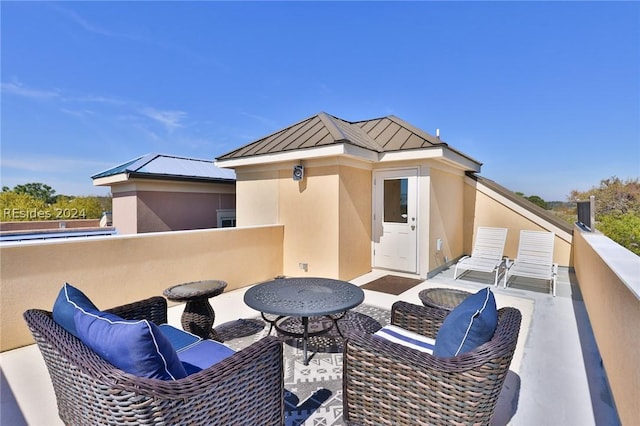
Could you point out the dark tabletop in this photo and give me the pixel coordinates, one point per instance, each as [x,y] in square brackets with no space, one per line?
[303,296]
[443,298]
[195,290]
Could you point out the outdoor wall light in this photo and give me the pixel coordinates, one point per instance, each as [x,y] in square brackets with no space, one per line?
[298,172]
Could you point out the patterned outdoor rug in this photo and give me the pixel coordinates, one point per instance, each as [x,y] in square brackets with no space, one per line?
[313,393]
[392,284]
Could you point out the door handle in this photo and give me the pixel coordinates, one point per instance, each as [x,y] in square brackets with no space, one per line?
[413,227]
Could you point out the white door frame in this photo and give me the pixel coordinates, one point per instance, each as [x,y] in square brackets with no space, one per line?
[395,244]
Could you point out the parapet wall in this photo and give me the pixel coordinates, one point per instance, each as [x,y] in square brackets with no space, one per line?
[121,269]
[609,279]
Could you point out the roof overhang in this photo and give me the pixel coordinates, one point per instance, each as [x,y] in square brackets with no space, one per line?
[341,149]
[110,180]
[443,153]
[451,157]
[128,176]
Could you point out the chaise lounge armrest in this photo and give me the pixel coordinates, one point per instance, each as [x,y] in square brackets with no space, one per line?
[245,388]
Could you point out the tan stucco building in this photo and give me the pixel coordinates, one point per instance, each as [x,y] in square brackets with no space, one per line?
[155,193]
[378,193]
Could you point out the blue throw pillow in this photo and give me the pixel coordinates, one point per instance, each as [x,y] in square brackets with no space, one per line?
[136,347]
[468,325]
[69,299]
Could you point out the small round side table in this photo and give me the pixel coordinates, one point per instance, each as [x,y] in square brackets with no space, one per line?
[442,298]
[198,315]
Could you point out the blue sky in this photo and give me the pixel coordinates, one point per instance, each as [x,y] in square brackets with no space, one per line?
[545,94]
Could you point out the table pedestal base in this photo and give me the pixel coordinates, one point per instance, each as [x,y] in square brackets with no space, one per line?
[198,318]
[305,334]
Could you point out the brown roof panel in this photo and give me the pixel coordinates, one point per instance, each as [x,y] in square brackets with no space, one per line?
[384,134]
[388,135]
[399,140]
[366,125]
[298,136]
[414,141]
[319,137]
[379,127]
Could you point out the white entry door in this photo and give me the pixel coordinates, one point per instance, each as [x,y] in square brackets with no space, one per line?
[395,220]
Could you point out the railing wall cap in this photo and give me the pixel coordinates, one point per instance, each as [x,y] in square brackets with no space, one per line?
[622,261]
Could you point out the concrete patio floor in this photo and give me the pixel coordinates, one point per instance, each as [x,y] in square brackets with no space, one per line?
[558,371]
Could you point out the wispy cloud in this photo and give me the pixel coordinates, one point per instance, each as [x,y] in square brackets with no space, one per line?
[170,119]
[78,113]
[91,27]
[99,100]
[20,90]
[77,105]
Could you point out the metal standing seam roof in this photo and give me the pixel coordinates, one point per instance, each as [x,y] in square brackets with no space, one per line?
[385,134]
[159,165]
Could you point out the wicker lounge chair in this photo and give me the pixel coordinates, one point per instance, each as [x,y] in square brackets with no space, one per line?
[246,388]
[389,384]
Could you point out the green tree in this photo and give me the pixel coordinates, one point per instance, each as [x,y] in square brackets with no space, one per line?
[19,207]
[617,210]
[613,196]
[538,201]
[77,208]
[36,201]
[535,199]
[623,229]
[37,190]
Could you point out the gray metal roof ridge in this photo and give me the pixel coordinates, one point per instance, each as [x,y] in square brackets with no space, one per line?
[135,168]
[143,161]
[333,129]
[364,140]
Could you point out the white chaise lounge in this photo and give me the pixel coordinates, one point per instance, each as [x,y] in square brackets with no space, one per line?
[487,254]
[535,258]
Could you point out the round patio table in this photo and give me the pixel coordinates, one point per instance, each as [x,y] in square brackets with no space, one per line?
[442,298]
[304,298]
[198,315]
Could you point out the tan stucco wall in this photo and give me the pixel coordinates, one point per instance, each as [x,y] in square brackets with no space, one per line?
[125,212]
[482,208]
[122,269]
[257,197]
[614,313]
[309,211]
[446,216]
[354,222]
[327,215]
